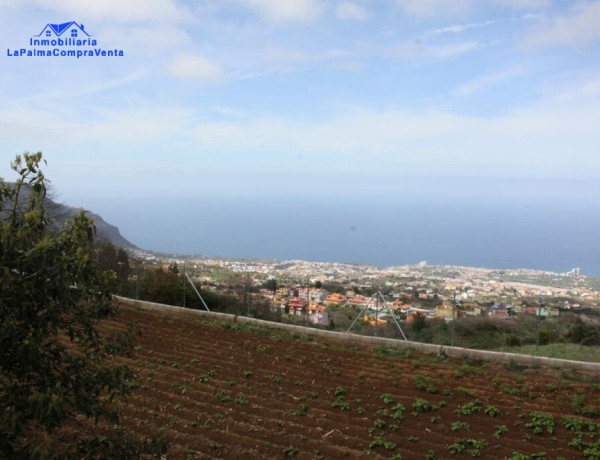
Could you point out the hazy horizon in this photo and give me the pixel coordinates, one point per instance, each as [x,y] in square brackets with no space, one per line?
[494,231]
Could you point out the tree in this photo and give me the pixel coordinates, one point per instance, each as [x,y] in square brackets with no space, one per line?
[270,284]
[162,286]
[419,322]
[54,363]
[123,270]
[116,261]
[584,333]
[106,255]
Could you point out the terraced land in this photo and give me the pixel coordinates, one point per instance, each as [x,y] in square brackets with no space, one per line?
[222,390]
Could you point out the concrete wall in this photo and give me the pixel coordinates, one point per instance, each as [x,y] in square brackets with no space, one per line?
[377,341]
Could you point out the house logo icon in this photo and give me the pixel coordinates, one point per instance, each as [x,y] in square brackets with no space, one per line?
[65,30]
[67,39]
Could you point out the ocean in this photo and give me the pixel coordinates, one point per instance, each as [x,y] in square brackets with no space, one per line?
[474,226]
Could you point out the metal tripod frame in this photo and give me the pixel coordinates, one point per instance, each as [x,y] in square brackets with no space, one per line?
[377,295]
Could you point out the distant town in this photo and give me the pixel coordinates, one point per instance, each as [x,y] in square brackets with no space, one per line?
[310,289]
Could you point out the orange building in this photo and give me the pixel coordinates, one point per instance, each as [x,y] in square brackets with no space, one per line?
[335,298]
[296,306]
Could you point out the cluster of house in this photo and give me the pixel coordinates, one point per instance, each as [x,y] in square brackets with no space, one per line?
[314,304]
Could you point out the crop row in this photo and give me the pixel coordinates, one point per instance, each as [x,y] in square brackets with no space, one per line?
[221,391]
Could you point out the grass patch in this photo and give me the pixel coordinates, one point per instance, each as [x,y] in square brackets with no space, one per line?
[570,351]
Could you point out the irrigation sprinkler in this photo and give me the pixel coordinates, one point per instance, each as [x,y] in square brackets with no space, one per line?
[378,295]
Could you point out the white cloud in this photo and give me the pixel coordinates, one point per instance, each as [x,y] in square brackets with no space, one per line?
[349,65]
[487,81]
[143,124]
[420,51]
[85,88]
[584,89]
[261,61]
[531,17]
[578,29]
[524,4]
[349,10]
[435,142]
[143,41]
[272,59]
[118,10]
[285,10]
[275,53]
[528,142]
[458,28]
[573,88]
[11,3]
[434,8]
[140,125]
[427,9]
[193,67]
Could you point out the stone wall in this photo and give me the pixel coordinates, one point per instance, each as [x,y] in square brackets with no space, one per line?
[377,341]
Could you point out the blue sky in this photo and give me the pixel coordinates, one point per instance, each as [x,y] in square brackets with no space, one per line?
[240,97]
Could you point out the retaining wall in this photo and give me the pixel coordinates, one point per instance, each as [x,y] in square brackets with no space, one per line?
[528,360]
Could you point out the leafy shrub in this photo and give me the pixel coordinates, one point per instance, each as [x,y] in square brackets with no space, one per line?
[469,408]
[541,421]
[53,361]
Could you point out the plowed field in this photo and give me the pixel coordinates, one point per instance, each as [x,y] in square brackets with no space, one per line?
[225,391]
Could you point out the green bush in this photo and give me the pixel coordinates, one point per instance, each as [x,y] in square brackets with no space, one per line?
[53,361]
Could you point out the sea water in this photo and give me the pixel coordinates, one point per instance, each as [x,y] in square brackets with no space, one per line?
[477,226]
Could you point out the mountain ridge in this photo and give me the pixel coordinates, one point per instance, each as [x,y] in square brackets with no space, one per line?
[59,213]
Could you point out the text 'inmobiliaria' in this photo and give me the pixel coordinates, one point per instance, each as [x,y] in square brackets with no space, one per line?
[68,39]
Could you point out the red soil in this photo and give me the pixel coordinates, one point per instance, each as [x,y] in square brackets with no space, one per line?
[224,392]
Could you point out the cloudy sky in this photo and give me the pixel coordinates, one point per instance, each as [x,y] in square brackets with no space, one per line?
[283,96]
